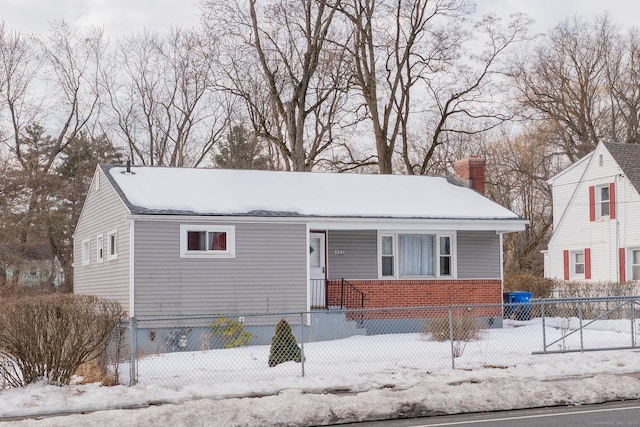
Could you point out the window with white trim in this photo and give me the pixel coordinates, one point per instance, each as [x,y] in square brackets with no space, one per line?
[406,255]
[445,256]
[112,244]
[386,251]
[99,248]
[86,252]
[602,200]
[635,264]
[199,241]
[577,263]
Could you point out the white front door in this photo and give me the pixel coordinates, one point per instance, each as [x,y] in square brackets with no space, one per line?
[317,269]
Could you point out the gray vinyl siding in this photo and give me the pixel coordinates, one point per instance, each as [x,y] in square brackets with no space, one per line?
[478,255]
[103,212]
[360,254]
[268,273]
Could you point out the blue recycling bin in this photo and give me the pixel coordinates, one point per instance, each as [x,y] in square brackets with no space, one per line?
[516,305]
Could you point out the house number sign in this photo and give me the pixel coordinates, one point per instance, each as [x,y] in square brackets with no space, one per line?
[339,252]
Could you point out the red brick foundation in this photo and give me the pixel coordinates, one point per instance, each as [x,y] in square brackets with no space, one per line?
[422,293]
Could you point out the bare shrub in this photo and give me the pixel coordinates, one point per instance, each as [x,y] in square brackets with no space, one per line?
[540,287]
[594,289]
[48,337]
[464,329]
[592,309]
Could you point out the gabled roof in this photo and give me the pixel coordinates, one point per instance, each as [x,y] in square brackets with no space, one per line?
[188,191]
[628,158]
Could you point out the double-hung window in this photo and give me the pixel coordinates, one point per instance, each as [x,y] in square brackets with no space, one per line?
[207,241]
[415,255]
[86,252]
[112,244]
[577,263]
[99,248]
[387,259]
[603,200]
[635,264]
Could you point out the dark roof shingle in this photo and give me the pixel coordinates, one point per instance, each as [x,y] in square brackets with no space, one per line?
[628,158]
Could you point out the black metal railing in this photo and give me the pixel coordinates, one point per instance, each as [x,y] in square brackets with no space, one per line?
[350,296]
[335,294]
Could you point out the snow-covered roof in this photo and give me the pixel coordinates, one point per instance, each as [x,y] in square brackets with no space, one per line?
[189,191]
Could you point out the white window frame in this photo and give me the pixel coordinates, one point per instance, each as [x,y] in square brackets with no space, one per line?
[86,252]
[382,255]
[100,248]
[112,245]
[573,263]
[396,255]
[599,201]
[631,264]
[230,252]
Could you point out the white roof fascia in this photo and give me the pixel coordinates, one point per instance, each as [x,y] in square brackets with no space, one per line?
[339,223]
[92,186]
[586,158]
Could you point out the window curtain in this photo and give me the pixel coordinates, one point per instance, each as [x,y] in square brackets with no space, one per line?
[416,255]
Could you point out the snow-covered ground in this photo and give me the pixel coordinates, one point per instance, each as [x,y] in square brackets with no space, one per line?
[369,381]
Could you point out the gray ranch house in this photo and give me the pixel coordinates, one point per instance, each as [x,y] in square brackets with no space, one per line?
[169,241]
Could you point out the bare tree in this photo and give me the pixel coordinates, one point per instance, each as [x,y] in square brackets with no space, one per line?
[280,59]
[410,67]
[564,81]
[517,173]
[623,77]
[50,83]
[162,102]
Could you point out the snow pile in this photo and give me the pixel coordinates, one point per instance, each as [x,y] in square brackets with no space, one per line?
[350,394]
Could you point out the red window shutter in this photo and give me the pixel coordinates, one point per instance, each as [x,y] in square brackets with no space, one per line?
[612,200]
[592,203]
[587,263]
[623,267]
[566,265]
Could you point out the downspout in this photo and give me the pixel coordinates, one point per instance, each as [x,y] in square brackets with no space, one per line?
[307,230]
[501,263]
[132,307]
[618,244]
[133,345]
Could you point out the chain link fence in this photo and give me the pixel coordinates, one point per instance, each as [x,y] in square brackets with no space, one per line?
[178,351]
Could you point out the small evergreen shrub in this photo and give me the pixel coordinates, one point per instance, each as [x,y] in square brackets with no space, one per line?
[230,333]
[284,346]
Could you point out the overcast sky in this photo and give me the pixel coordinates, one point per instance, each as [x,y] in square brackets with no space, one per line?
[119,17]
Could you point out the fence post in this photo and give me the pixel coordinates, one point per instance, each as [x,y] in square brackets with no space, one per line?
[632,315]
[544,329]
[133,361]
[302,341]
[453,354]
[580,325]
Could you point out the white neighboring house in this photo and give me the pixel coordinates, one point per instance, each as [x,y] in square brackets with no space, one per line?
[596,217]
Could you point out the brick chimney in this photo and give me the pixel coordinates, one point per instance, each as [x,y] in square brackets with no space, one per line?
[471,170]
